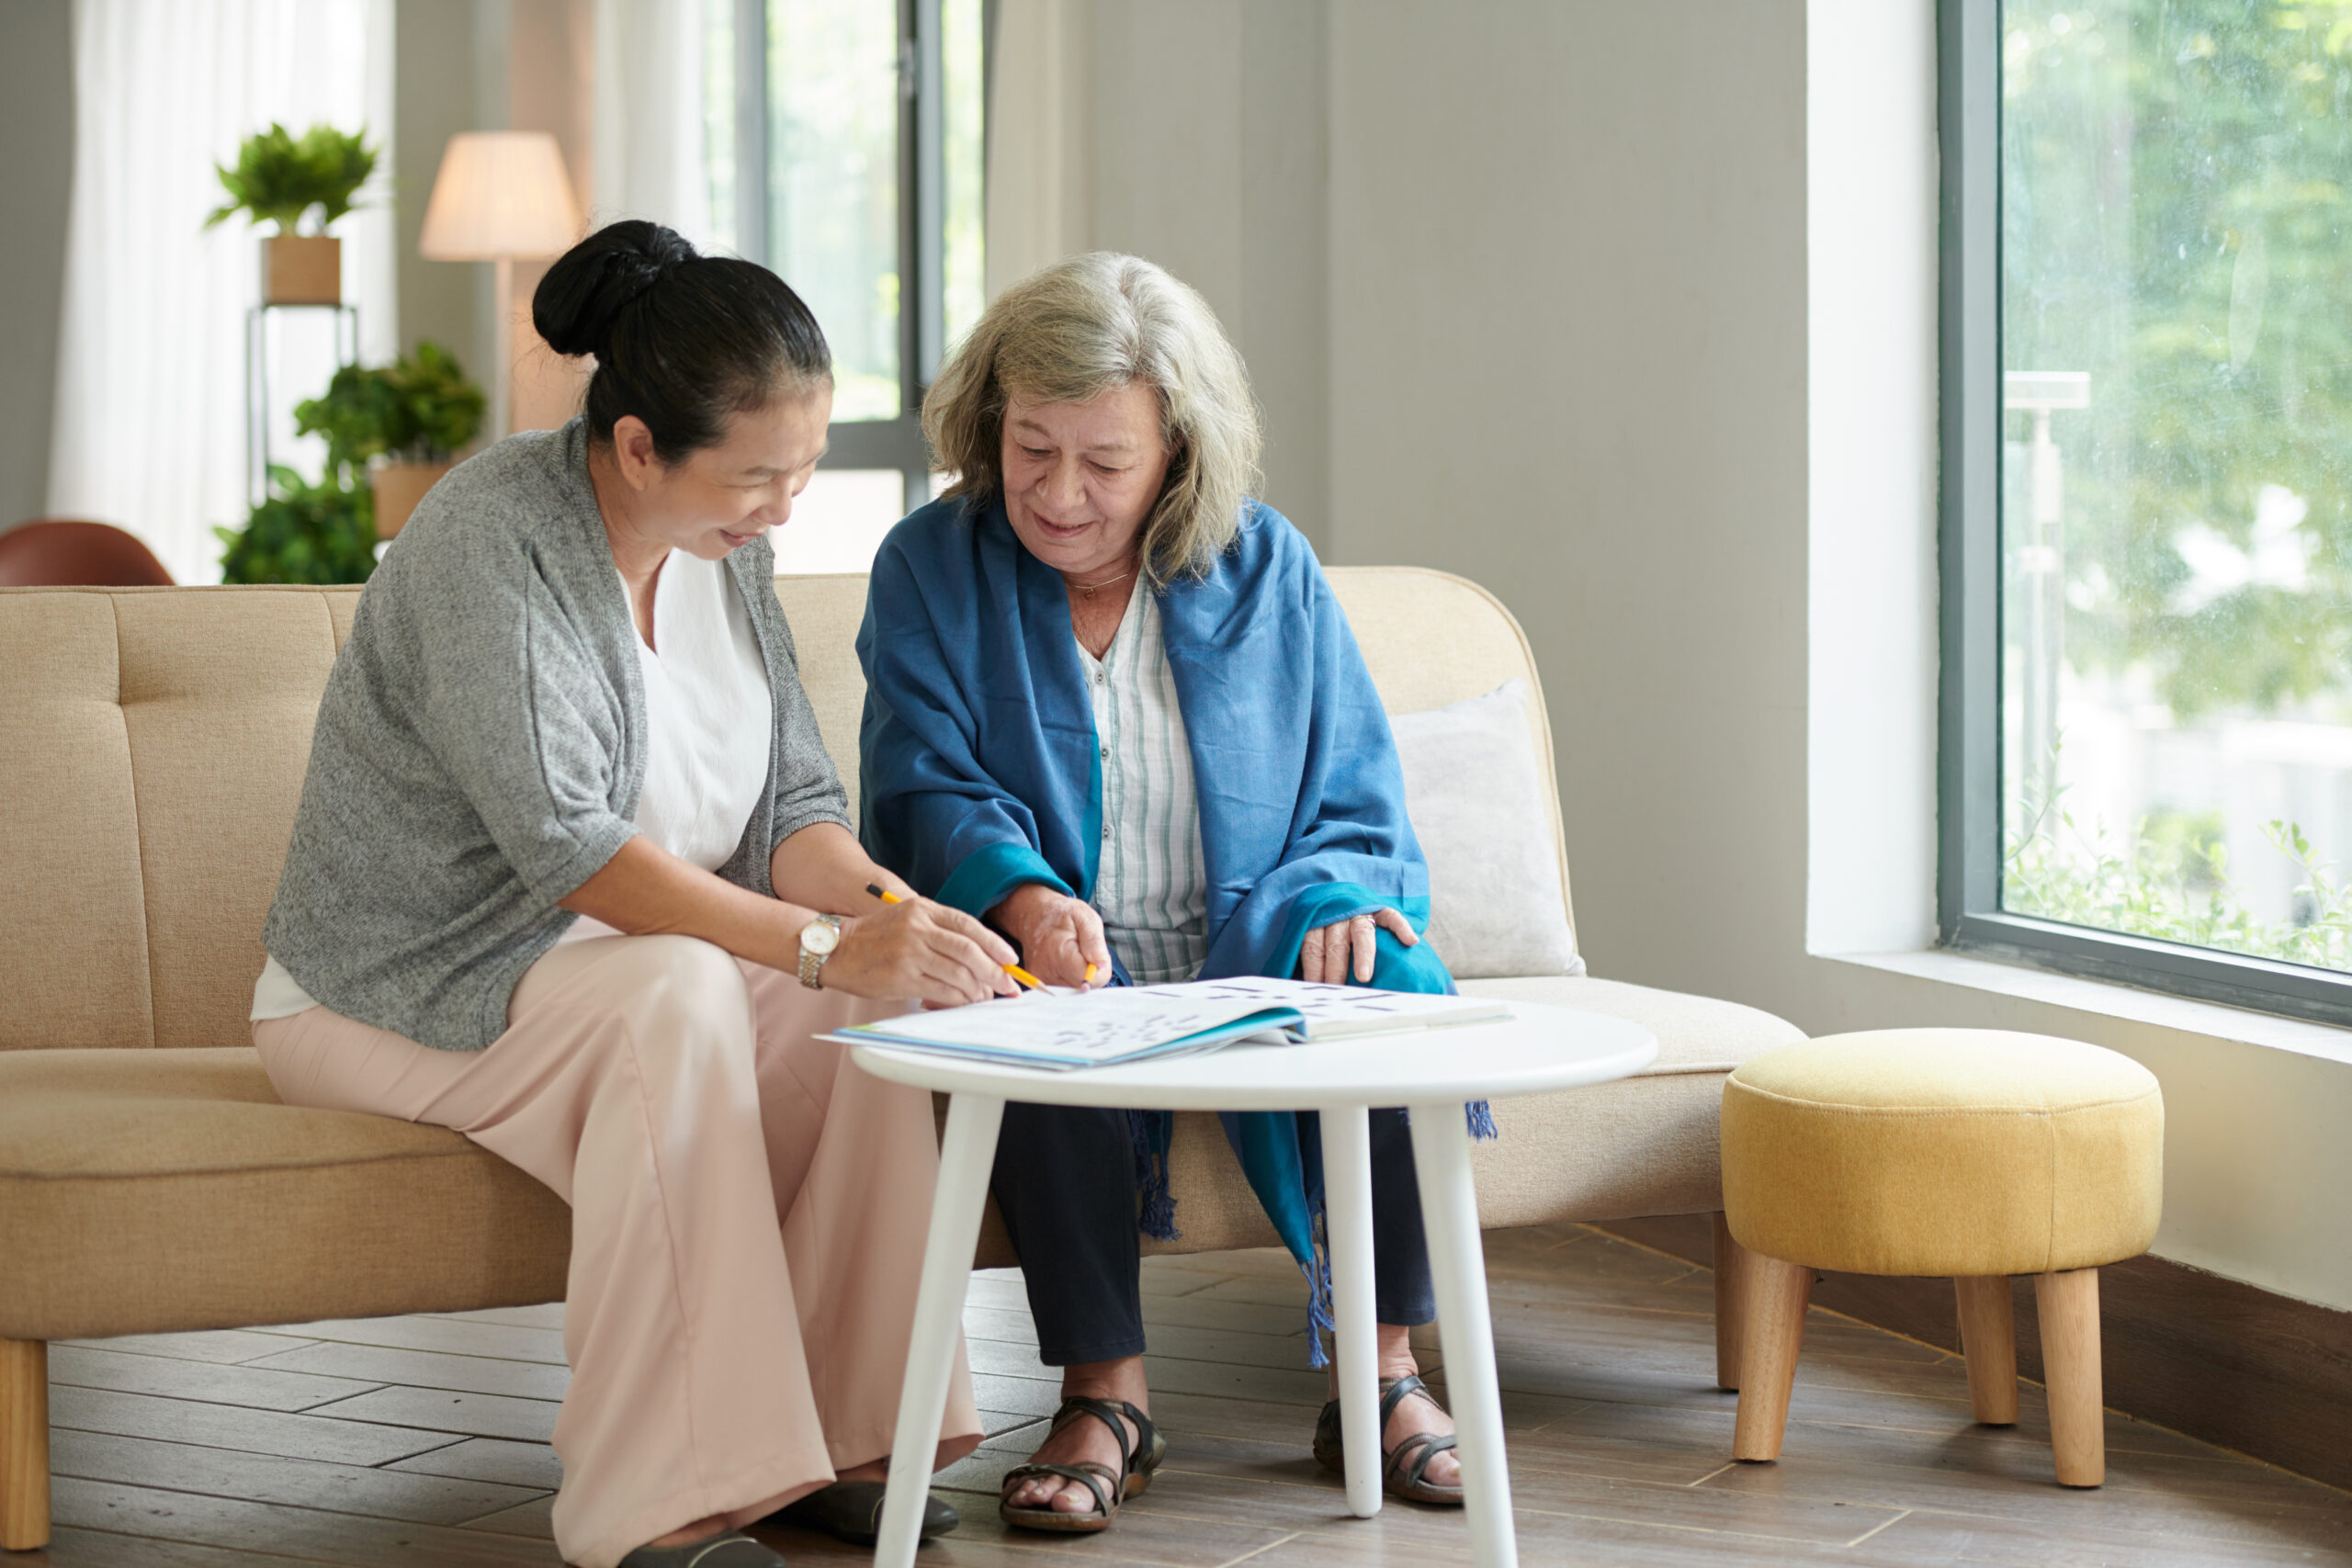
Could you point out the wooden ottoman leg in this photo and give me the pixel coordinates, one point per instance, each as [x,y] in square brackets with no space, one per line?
[2070,1364]
[1988,1338]
[1731,1302]
[24,1444]
[1777,1297]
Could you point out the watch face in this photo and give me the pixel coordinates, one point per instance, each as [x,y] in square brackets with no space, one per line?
[819,937]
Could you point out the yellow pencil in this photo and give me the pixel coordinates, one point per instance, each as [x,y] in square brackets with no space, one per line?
[1015,970]
[1090,974]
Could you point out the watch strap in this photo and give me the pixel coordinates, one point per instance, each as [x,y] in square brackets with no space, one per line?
[813,964]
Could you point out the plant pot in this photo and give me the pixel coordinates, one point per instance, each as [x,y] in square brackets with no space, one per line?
[301,269]
[399,487]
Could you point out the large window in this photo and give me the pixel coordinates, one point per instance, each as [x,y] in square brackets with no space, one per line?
[845,148]
[2149,328]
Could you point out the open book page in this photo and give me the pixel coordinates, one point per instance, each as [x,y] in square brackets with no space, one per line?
[1328,1012]
[1077,1028]
[1123,1024]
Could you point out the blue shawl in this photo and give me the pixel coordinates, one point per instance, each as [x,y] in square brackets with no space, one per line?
[980,772]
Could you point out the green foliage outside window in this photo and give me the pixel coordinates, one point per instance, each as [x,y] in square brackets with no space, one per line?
[2209,144]
[2177,217]
[2173,892]
[2169,878]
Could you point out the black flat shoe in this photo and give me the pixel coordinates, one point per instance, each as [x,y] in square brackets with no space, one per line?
[852,1511]
[725,1549]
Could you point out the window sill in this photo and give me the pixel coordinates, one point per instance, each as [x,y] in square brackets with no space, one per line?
[2023,982]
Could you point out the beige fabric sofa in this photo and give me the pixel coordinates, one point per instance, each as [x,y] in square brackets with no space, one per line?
[152,748]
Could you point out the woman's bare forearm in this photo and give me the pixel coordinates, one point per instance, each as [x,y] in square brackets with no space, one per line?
[646,891]
[825,867]
[911,951]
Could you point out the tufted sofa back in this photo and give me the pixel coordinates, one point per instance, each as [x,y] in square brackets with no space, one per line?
[152,742]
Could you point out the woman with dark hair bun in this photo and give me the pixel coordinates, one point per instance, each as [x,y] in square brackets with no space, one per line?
[572,875]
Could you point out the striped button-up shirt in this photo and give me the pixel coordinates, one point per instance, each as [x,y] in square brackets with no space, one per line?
[1151,887]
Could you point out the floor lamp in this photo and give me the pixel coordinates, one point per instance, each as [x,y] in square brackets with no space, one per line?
[501,196]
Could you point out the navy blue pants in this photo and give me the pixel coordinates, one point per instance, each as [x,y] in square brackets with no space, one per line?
[1065,1181]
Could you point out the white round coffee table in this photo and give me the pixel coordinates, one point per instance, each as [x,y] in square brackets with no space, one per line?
[1433,1073]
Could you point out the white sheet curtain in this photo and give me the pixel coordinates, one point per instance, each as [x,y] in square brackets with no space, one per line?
[650,124]
[150,420]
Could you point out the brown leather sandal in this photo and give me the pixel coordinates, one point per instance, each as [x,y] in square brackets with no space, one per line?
[1404,1471]
[1136,1464]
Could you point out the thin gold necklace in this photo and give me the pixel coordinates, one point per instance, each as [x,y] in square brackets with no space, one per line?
[1088,588]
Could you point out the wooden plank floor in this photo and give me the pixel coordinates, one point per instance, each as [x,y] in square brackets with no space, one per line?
[421,1441]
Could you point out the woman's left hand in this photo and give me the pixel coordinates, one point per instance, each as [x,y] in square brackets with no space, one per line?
[1324,953]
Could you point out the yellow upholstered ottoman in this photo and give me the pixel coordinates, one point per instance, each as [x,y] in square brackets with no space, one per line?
[1962,1152]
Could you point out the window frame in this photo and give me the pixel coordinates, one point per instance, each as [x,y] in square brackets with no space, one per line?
[922,212]
[1969,851]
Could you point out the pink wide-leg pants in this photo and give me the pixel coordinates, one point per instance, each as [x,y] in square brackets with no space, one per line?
[748,1220]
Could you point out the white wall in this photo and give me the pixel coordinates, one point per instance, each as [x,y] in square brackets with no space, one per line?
[1871,460]
[1567,360]
[1627,311]
[1192,134]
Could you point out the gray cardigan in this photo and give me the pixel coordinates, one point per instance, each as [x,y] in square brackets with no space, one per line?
[481,747]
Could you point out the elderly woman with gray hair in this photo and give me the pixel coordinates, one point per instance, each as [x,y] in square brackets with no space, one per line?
[1113,709]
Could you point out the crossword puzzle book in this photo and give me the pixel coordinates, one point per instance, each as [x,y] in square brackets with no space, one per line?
[1059,1029]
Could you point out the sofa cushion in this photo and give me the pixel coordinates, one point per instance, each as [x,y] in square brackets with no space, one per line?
[1695,1035]
[151,751]
[1646,1145]
[824,611]
[146,1191]
[73,965]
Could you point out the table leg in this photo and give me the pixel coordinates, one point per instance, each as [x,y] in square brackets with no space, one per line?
[1458,1271]
[1347,1195]
[966,1157]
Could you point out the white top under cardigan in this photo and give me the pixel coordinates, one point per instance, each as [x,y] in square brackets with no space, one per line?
[1152,885]
[707,704]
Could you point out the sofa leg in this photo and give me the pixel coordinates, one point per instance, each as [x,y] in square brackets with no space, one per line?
[1731,1300]
[2070,1363]
[1773,1329]
[1988,1338]
[24,1444]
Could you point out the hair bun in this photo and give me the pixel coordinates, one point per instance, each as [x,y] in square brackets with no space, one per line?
[590,284]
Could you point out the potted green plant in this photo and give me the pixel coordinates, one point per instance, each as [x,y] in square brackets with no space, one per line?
[278,179]
[304,532]
[402,424]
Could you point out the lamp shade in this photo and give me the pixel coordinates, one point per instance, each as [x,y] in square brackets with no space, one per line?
[499,194]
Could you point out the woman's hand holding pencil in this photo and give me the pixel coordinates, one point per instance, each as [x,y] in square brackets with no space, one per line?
[1060,937]
[1015,970]
[923,951]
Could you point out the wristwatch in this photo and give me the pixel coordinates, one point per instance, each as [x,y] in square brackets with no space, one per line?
[818,939]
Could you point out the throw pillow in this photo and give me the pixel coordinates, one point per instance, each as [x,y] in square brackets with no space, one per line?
[1496,905]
